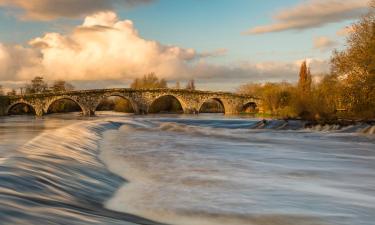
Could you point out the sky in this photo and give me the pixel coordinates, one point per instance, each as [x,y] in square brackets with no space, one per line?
[222,44]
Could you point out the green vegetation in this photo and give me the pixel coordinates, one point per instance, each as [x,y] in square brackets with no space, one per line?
[348,92]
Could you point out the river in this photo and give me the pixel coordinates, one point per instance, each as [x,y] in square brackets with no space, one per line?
[184,170]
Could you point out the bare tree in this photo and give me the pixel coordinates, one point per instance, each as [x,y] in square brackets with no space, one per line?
[190,85]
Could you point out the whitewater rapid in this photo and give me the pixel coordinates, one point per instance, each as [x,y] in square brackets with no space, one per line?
[116,169]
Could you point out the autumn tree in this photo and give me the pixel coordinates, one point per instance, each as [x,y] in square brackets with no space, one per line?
[355,66]
[61,85]
[37,86]
[12,92]
[148,81]
[304,83]
[277,97]
[253,89]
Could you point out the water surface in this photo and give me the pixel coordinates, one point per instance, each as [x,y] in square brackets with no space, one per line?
[116,169]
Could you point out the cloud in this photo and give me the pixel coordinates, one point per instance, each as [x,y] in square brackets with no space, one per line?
[105,51]
[324,43]
[102,48]
[313,13]
[53,9]
[215,53]
[345,31]
[17,61]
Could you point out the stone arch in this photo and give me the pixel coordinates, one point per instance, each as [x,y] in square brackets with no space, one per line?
[222,101]
[22,102]
[250,107]
[211,99]
[117,94]
[182,103]
[64,97]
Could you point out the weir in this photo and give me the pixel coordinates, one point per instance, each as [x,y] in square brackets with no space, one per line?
[141,99]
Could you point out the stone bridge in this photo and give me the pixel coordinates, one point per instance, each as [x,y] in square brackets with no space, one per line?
[141,99]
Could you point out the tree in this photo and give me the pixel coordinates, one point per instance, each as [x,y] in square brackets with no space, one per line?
[355,66]
[304,83]
[12,92]
[37,86]
[1,90]
[190,85]
[61,85]
[148,81]
[277,97]
[252,89]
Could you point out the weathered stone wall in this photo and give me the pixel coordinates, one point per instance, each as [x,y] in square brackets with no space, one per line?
[141,100]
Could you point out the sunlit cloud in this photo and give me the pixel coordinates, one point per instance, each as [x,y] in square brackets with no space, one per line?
[324,43]
[102,48]
[53,9]
[345,31]
[313,13]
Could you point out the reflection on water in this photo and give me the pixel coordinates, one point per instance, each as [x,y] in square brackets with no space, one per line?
[66,169]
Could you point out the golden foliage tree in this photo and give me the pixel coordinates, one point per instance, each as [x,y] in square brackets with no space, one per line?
[149,81]
[304,83]
[38,85]
[61,85]
[356,67]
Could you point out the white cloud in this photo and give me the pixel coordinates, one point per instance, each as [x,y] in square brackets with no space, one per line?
[324,43]
[104,47]
[52,9]
[313,13]
[17,61]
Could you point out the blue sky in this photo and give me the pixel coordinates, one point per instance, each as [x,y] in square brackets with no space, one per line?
[207,26]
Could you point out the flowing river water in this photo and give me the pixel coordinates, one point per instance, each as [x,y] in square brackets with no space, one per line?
[184,170]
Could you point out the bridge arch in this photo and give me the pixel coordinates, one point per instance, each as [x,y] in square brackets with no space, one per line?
[224,103]
[133,104]
[210,101]
[175,101]
[22,102]
[250,107]
[59,98]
